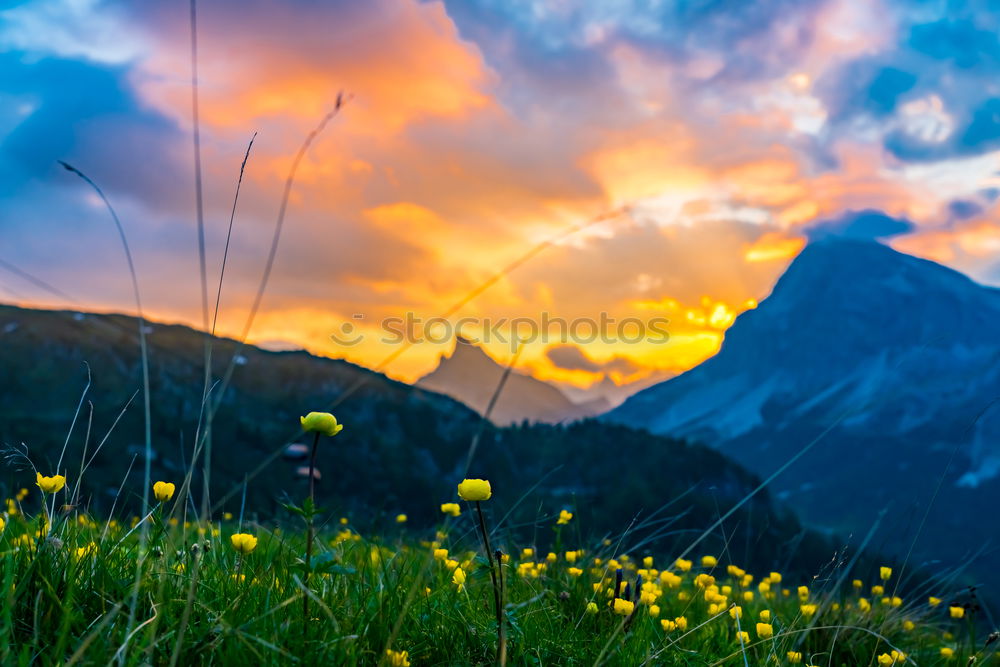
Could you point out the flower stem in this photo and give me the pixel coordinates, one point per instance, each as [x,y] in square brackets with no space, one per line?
[497,602]
[309,532]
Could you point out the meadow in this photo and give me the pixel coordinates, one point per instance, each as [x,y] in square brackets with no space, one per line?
[168,588]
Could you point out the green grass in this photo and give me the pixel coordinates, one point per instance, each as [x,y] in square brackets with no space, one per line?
[90,593]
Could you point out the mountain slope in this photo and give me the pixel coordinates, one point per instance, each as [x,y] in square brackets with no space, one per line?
[402,450]
[469,375]
[892,362]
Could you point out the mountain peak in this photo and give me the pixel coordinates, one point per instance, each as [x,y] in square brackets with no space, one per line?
[863,365]
[471,376]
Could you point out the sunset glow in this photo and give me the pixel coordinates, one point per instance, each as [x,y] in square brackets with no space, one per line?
[472,133]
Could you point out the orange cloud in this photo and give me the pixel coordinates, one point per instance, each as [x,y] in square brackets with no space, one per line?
[403,60]
[773,246]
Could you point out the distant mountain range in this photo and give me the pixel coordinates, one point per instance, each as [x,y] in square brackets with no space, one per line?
[882,368]
[471,376]
[403,448]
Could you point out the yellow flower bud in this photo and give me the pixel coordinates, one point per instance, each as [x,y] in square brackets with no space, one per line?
[623,607]
[458,578]
[243,542]
[474,489]
[321,422]
[454,509]
[765,630]
[163,491]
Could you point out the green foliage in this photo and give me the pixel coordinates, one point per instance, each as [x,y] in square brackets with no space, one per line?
[90,593]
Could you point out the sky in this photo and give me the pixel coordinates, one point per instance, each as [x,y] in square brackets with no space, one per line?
[673,156]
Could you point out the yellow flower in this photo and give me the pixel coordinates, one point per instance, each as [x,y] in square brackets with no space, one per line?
[591,607]
[908,625]
[163,491]
[454,509]
[474,489]
[458,578]
[709,561]
[564,518]
[243,542]
[808,610]
[571,556]
[803,593]
[321,422]
[878,590]
[2,524]
[933,601]
[440,554]
[654,610]
[21,495]
[864,605]
[88,550]
[946,652]
[397,658]
[956,612]
[885,660]
[400,518]
[775,577]
[794,657]
[885,573]
[647,562]
[736,611]
[765,630]
[668,625]
[765,615]
[681,622]
[623,607]
[574,571]
[552,557]
[857,583]
[50,484]
[743,637]
[682,565]
[527,552]
[748,596]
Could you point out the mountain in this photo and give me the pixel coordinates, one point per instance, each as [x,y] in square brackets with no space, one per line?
[403,448]
[469,375]
[881,371]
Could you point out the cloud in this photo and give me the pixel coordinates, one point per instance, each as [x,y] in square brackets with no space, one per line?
[572,358]
[478,130]
[860,225]
[87,114]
